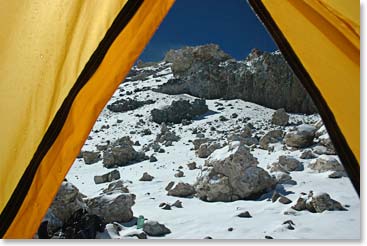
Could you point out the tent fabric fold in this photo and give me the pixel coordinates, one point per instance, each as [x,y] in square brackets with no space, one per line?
[69,66]
[321,44]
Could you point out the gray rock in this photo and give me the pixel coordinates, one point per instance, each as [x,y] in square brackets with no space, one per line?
[107,177]
[245,214]
[112,207]
[232,174]
[67,200]
[191,165]
[301,138]
[307,154]
[280,117]
[179,110]
[170,185]
[152,158]
[91,157]
[325,163]
[321,202]
[124,105]
[146,177]
[284,200]
[300,204]
[272,136]
[155,229]
[181,190]
[177,204]
[117,186]
[206,149]
[179,174]
[337,175]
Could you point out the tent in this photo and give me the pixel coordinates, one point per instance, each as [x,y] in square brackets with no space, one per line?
[64,59]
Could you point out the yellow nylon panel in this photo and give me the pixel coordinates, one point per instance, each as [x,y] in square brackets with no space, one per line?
[44,45]
[328,47]
[88,104]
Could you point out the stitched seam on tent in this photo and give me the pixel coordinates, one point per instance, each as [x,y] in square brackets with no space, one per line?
[345,153]
[14,203]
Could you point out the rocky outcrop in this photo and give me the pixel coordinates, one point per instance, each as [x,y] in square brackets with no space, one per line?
[112,207]
[232,174]
[263,78]
[122,153]
[179,110]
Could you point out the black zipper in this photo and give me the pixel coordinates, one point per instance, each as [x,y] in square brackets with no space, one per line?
[13,205]
[346,155]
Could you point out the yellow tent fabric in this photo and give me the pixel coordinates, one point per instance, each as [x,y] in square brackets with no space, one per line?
[321,41]
[60,60]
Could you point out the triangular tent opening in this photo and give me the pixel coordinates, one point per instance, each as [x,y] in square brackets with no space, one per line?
[66,59]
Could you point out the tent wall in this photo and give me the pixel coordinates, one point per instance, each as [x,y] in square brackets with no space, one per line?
[320,40]
[61,62]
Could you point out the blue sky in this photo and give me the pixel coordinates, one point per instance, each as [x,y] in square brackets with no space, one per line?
[229,23]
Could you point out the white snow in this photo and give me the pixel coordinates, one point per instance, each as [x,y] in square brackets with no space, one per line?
[198,219]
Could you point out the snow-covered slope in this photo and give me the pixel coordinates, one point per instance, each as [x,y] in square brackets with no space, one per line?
[199,219]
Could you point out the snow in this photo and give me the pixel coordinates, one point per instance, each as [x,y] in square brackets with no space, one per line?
[198,219]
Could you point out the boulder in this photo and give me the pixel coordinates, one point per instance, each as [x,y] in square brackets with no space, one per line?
[122,153]
[179,110]
[321,202]
[91,157]
[325,163]
[107,177]
[307,154]
[181,190]
[166,136]
[301,138]
[280,117]
[146,177]
[206,149]
[112,207]
[67,200]
[124,105]
[191,165]
[117,186]
[155,229]
[232,174]
[272,136]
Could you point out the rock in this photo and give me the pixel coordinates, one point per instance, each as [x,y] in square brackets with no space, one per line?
[337,175]
[179,110]
[321,202]
[152,158]
[112,207]
[146,177]
[181,190]
[290,163]
[124,105]
[272,136]
[300,204]
[91,157]
[280,117]
[67,200]
[177,204]
[155,229]
[322,150]
[122,153]
[191,165]
[268,237]
[325,163]
[205,149]
[166,206]
[244,215]
[170,185]
[275,196]
[199,141]
[179,174]
[284,200]
[208,237]
[166,136]
[284,178]
[107,177]
[266,79]
[117,186]
[232,174]
[327,143]
[307,154]
[230,229]
[301,138]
